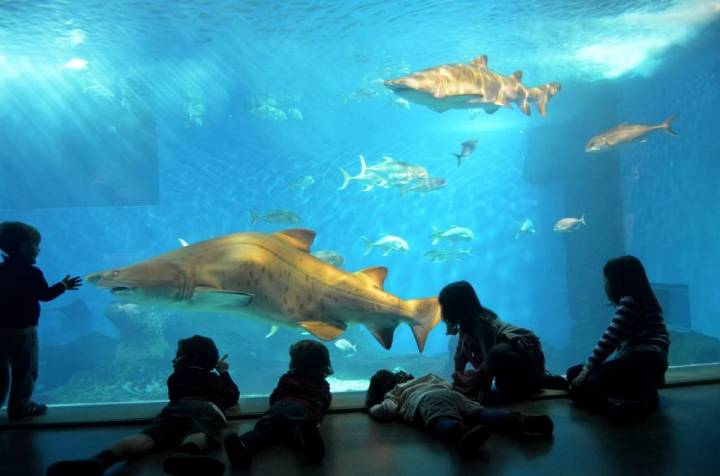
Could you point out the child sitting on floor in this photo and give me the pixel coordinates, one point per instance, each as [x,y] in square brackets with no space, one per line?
[625,388]
[297,406]
[431,402]
[191,421]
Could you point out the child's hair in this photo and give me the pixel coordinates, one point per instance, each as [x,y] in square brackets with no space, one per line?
[381,383]
[200,352]
[459,304]
[311,358]
[626,277]
[15,235]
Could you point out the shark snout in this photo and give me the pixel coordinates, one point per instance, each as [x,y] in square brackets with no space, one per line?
[105,279]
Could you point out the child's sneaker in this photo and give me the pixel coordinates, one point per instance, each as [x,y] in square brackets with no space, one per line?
[472,439]
[190,465]
[311,442]
[237,452]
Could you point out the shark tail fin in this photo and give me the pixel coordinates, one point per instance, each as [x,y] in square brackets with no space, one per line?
[346,179]
[427,315]
[666,125]
[582,219]
[459,158]
[253,217]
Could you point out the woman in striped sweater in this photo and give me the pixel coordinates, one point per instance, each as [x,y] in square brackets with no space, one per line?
[626,386]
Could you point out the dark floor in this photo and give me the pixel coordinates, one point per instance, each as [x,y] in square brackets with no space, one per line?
[683,439]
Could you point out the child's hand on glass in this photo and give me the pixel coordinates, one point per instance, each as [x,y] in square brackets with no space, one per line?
[71,283]
[222,365]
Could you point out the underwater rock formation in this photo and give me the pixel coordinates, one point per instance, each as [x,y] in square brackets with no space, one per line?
[690,347]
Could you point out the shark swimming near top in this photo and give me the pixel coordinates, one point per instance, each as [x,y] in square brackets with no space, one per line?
[471,85]
[271,277]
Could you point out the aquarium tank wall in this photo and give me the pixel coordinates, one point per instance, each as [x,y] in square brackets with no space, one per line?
[129,130]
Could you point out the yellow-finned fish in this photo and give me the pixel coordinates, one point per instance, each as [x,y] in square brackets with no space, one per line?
[625,133]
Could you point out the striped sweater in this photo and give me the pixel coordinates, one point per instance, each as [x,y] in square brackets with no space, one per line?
[632,329]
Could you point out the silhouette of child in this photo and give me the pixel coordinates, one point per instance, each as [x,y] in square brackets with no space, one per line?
[297,406]
[510,355]
[22,286]
[625,387]
[191,421]
[430,402]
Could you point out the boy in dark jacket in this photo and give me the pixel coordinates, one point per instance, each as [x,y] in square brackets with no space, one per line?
[22,287]
[191,421]
[297,406]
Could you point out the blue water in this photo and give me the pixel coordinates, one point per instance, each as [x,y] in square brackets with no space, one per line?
[188,115]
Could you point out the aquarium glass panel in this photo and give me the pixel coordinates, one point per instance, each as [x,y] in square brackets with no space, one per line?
[261,172]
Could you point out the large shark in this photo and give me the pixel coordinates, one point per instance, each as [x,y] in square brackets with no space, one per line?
[471,85]
[272,277]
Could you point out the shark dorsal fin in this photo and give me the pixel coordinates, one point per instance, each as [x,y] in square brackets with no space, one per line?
[377,274]
[300,238]
[480,62]
[322,330]
[518,75]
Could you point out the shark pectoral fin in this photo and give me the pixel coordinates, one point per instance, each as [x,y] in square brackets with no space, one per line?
[383,332]
[322,330]
[273,331]
[299,238]
[221,298]
[376,274]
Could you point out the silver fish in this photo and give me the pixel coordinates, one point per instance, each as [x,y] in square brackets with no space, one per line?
[428,184]
[303,183]
[275,216]
[453,234]
[467,148]
[384,174]
[345,345]
[568,225]
[330,257]
[387,243]
[440,256]
[526,227]
[625,133]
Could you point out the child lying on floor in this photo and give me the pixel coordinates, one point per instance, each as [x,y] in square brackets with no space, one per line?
[431,402]
[191,421]
[297,406]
